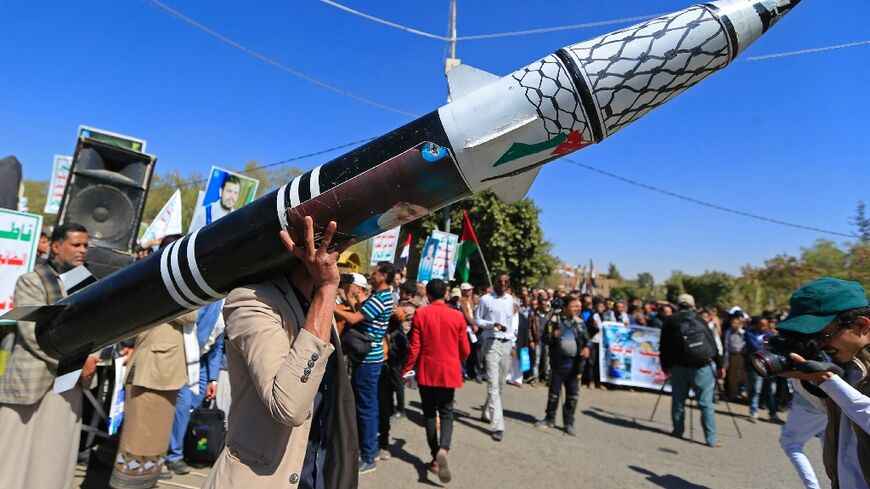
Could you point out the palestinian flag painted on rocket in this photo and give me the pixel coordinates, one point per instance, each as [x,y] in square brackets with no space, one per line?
[468,245]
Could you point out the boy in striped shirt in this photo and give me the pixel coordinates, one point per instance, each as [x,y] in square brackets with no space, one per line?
[372,318]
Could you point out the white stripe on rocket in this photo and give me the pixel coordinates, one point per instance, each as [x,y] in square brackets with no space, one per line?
[179,279]
[315,182]
[294,191]
[167,281]
[194,268]
[282,212]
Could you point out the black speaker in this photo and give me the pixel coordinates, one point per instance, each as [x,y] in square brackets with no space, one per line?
[106,193]
[10,179]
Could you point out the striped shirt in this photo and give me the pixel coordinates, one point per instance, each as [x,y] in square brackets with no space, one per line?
[377,310]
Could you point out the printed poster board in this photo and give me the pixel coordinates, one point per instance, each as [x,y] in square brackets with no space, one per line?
[629,355]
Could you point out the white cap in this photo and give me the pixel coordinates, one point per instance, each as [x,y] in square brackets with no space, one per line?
[360,280]
[465,286]
[454,292]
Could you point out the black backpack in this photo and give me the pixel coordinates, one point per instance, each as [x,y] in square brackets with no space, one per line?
[696,346]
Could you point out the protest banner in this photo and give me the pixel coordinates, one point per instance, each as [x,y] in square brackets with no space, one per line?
[57,186]
[113,138]
[444,266]
[19,238]
[225,192]
[427,260]
[167,221]
[384,246]
[629,355]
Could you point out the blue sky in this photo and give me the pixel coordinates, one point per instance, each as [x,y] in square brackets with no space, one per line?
[785,138]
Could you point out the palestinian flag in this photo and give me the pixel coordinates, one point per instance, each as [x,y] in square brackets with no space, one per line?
[468,245]
[406,253]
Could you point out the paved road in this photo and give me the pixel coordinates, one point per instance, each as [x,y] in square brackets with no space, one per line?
[616,447]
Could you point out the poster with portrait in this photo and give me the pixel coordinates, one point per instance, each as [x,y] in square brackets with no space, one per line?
[629,355]
[427,259]
[225,192]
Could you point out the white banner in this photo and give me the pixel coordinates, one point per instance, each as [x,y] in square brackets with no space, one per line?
[444,265]
[384,246]
[59,177]
[167,221]
[19,238]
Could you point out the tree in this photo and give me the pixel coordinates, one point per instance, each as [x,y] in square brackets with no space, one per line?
[613,272]
[645,280]
[861,223]
[710,288]
[510,238]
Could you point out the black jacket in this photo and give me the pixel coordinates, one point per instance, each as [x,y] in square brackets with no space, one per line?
[581,335]
[670,348]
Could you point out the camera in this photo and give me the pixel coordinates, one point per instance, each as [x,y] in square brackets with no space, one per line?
[557,303]
[775,358]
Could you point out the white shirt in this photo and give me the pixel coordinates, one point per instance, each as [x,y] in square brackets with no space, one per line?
[493,309]
[855,407]
[199,217]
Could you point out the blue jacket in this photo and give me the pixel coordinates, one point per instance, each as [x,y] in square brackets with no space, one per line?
[754,342]
[206,320]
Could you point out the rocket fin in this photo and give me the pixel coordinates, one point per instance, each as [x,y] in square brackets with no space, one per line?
[515,188]
[33,313]
[464,79]
[69,370]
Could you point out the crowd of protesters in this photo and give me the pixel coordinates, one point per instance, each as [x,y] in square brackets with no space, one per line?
[396,332]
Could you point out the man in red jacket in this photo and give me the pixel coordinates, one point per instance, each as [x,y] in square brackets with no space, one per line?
[438,344]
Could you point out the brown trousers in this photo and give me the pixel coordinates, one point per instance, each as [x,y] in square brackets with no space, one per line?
[40,441]
[736,374]
[148,417]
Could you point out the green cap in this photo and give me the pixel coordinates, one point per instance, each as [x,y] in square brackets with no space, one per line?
[817,303]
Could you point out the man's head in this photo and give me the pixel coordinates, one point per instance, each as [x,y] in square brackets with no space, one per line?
[572,308]
[760,324]
[69,244]
[608,303]
[619,307]
[407,291]
[466,289]
[666,311]
[586,300]
[686,301]
[382,275]
[501,282]
[44,242]
[436,289]
[229,192]
[836,312]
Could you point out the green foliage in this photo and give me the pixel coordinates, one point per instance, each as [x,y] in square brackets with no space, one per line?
[36,191]
[861,223]
[710,288]
[510,238]
[613,272]
[645,280]
[625,291]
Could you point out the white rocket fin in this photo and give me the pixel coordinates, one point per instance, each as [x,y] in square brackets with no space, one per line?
[514,188]
[464,79]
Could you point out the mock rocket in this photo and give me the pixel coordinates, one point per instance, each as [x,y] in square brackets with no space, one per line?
[495,133]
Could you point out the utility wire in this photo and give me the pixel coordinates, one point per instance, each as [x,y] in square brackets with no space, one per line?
[292,159]
[273,62]
[806,51]
[704,203]
[476,37]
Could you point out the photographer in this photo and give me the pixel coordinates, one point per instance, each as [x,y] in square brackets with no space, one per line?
[569,349]
[836,314]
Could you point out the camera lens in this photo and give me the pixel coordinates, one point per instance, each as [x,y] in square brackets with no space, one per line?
[766,363]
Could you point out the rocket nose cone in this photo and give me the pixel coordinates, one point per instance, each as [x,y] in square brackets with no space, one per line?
[750,19]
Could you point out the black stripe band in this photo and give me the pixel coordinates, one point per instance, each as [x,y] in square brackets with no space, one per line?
[305,187]
[585,93]
[728,26]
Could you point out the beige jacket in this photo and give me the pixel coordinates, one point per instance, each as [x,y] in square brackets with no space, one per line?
[30,372]
[158,361]
[275,370]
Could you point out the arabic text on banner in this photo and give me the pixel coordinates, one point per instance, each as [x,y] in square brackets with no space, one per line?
[19,237]
[59,177]
[444,265]
[629,355]
[384,246]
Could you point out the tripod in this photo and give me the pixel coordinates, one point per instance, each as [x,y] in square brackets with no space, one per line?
[691,417]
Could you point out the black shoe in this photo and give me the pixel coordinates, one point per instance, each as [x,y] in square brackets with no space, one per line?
[571,430]
[365,468]
[178,467]
[399,415]
[498,435]
[545,423]
[165,474]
